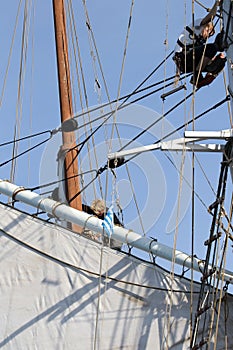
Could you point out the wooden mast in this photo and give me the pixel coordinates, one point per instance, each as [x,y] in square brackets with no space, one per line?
[65,94]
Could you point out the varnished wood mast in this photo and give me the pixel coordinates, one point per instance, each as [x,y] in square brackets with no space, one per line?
[65,93]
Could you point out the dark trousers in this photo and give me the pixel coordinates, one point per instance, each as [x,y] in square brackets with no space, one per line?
[186,58]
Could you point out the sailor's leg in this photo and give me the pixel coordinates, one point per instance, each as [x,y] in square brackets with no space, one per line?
[204,55]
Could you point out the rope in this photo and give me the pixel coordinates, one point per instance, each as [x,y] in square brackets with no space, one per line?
[169,303]
[93,49]
[183,125]
[10,53]
[109,114]
[187,182]
[199,3]
[76,116]
[122,104]
[54,131]
[204,173]
[113,113]
[24,152]
[197,117]
[18,118]
[58,181]
[216,219]
[114,123]
[81,86]
[26,137]
[222,268]
[79,268]
[155,122]
[118,98]
[122,68]
[193,163]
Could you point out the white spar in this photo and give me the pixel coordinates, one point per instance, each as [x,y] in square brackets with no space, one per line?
[64,212]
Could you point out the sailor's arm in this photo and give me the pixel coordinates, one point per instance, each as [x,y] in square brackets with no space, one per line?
[212,13]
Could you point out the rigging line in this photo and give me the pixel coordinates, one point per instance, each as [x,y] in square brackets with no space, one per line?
[145,130]
[98,59]
[75,39]
[224,258]
[98,172]
[28,137]
[218,224]
[122,68]
[76,116]
[33,11]
[225,85]
[54,131]
[189,122]
[197,117]
[206,177]
[187,182]
[227,98]
[82,144]
[204,7]
[104,81]
[101,70]
[172,272]
[122,104]
[93,39]
[152,73]
[229,223]
[192,273]
[169,301]
[155,122]
[134,196]
[24,152]
[22,66]
[79,268]
[126,105]
[78,66]
[99,298]
[165,64]
[10,53]
[109,114]
[110,102]
[229,103]
[92,42]
[193,159]
[58,181]
[220,194]
[223,263]
[114,125]
[219,301]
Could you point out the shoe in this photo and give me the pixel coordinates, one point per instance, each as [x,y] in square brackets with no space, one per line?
[202,81]
[194,79]
[209,77]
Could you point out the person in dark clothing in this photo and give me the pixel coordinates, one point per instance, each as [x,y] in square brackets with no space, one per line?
[194,54]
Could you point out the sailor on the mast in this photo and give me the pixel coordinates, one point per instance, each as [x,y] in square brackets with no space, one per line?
[194,54]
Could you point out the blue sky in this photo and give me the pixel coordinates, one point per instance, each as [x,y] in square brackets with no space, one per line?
[153,24]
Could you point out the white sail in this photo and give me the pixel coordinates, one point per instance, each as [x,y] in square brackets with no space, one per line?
[59,289]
